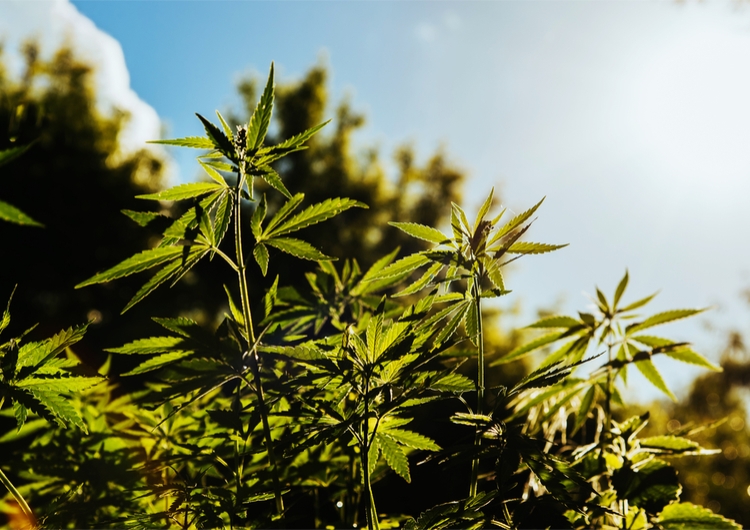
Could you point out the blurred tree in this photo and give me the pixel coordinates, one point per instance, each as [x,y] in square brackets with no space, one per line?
[75,179]
[720,482]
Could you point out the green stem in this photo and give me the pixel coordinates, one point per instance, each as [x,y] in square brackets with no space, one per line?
[17,495]
[480,390]
[372,514]
[250,332]
[608,399]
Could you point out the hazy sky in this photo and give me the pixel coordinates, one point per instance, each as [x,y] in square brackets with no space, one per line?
[633,118]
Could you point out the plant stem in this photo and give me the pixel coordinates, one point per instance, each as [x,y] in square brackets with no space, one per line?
[250,333]
[372,514]
[608,398]
[480,389]
[19,498]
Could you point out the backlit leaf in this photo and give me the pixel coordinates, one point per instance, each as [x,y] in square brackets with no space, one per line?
[196,142]
[160,361]
[183,191]
[662,318]
[215,134]
[298,248]
[261,118]
[402,266]
[260,252]
[556,322]
[424,232]
[10,213]
[394,457]
[688,516]
[525,247]
[648,369]
[527,348]
[314,214]
[410,438]
[149,345]
[686,355]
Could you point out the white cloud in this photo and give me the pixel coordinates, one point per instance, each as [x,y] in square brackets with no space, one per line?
[56,22]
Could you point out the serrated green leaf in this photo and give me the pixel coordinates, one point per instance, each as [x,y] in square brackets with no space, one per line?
[427,233]
[526,247]
[472,323]
[273,179]
[10,213]
[59,406]
[148,345]
[223,218]
[422,282]
[196,142]
[179,228]
[648,369]
[409,438]
[494,274]
[298,248]
[36,353]
[225,126]
[672,445]
[450,328]
[314,214]
[649,340]
[59,385]
[464,225]
[483,210]
[453,383]
[219,139]
[620,289]
[556,322]
[686,355]
[662,318]
[402,266]
[21,413]
[290,145]
[260,252]
[140,262]
[285,211]
[372,454]
[160,361]
[142,218]
[525,349]
[183,191]
[259,215]
[688,516]
[261,118]
[515,222]
[637,304]
[215,175]
[394,457]
[172,271]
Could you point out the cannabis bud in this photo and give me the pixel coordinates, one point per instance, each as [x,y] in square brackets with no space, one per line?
[240,141]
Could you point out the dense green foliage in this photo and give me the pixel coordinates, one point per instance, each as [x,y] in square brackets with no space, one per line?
[324,379]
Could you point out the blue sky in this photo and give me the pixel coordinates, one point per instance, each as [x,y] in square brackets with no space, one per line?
[631,117]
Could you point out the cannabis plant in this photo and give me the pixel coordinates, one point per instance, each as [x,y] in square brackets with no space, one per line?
[289,409]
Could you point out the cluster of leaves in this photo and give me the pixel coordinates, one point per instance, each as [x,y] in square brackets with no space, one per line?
[299,401]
